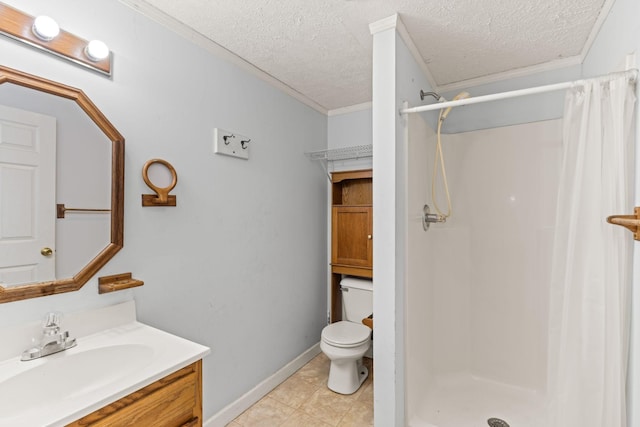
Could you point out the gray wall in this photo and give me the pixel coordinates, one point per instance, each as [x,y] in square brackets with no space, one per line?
[349,129]
[240,264]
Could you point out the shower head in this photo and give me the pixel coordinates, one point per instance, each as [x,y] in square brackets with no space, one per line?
[461,95]
[435,95]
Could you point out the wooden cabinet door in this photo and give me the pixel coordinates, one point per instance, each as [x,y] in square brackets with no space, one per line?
[172,401]
[351,236]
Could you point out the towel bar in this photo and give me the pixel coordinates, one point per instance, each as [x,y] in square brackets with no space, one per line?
[61,209]
[631,222]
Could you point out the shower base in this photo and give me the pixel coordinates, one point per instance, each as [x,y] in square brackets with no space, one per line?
[464,400]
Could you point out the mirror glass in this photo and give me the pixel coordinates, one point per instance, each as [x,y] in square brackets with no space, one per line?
[61,187]
[81,179]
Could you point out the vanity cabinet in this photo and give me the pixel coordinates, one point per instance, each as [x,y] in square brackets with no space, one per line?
[173,401]
[351,230]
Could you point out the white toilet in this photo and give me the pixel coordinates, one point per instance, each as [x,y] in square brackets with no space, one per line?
[345,342]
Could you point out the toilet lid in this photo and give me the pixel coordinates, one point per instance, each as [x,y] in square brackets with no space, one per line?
[345,334]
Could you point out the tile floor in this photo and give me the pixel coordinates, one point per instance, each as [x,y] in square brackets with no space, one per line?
[304,400]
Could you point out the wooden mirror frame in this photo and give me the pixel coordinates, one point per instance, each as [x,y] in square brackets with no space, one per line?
[33,290]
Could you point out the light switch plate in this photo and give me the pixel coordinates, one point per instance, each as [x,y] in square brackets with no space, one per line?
[230,144]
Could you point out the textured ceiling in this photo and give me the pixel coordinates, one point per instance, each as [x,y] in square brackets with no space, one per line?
[322,48]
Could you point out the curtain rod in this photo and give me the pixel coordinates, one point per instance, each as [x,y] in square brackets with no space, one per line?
[632,74]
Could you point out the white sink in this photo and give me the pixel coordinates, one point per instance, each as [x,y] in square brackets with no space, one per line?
[104,367]
[69,375]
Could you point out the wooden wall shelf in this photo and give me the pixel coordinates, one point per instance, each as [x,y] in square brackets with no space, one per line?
[117,282]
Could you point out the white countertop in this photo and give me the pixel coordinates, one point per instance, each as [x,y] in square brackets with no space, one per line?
[104,367]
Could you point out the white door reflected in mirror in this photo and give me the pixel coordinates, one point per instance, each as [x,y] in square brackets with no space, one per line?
[27,196]
[82,180]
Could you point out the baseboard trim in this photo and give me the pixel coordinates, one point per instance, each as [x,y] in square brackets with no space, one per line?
[232,410]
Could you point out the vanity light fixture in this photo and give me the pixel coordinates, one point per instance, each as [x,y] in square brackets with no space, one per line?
[96,50]
[45,28]
[45,34]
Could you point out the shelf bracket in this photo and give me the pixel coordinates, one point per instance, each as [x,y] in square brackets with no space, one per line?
[631,222]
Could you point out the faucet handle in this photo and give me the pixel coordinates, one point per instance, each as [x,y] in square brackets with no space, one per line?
[52,320]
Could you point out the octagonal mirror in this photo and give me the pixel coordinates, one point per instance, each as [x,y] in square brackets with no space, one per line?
[61,187]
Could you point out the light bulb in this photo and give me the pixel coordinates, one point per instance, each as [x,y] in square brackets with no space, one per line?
[45,28]
[96,50]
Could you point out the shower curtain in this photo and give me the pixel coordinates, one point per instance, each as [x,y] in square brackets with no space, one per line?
[591,267]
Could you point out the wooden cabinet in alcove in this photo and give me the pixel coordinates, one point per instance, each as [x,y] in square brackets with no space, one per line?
[351,240]
[351,230]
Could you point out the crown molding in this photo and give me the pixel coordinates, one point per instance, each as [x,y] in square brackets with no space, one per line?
[350,109]
[538,68]
[209,45]
[391,22]
[408,41]
[511,74]
[395,22]
[602,17]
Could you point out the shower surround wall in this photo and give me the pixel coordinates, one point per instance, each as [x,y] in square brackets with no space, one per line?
[478,285]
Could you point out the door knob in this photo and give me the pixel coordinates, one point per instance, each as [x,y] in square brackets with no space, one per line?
[369,236]
[46,251]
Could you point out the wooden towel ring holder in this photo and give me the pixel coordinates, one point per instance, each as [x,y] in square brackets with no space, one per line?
[162,197]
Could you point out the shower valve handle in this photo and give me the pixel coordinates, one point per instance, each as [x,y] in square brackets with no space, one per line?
[428,218]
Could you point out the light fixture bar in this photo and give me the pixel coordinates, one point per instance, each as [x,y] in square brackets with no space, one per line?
[18,26]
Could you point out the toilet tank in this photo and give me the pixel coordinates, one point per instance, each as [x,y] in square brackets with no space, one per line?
[357,298]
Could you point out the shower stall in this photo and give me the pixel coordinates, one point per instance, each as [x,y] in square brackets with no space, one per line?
[477,300]
[479,286]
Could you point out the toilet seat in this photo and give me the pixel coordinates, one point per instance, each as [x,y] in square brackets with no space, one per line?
[345,334]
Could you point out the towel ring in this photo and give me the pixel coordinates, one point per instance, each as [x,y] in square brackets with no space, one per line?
[162,197]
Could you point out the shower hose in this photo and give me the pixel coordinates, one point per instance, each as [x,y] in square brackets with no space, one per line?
[439,158]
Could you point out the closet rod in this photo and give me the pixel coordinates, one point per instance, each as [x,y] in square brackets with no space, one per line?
[633,74]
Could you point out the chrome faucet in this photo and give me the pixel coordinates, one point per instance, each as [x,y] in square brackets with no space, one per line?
[51,341]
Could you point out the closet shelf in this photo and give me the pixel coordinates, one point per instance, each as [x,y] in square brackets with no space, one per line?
[347,153]
[336,154]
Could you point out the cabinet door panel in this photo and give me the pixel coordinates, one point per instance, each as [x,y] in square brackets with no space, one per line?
[175,400]
[351,240]
[169,406]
